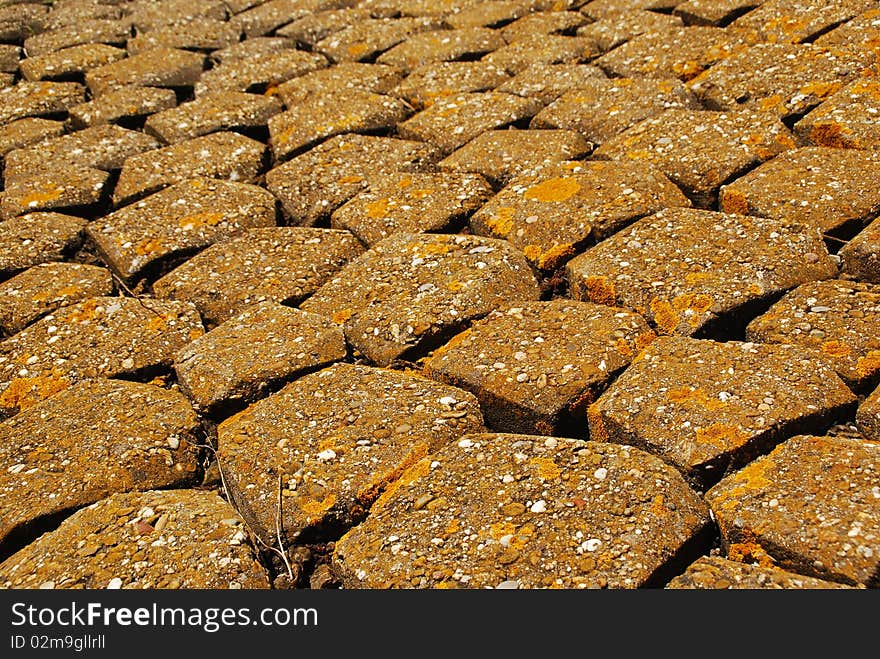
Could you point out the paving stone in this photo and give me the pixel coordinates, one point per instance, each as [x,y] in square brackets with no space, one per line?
[67,13]
[612,31]
[552,215]
[330,443]
[65,188]
[452,121]
[211,113]
[784,21]
[123,104]
[547,82]
[699,150]
[501,155]
[18,22]
[9,58]
[427,83]
[314,184]
[36,99]
[859,33]
[40,290]
[154,15]
[411,290]
[868,416]
[811,504]
[542,22]
[489,14]
[108,31]
[7,79]
[100,337]
[69,62]
[787,79]
[311,29]
[849,118]
[536,366]
[198,34]
[861,255]
[416,8]
[27,131]
[102,147]
[824,187]
[265,17]
[598,9]
[367,39]
[37,238]
[708,407]
[159,67]
[678,52]
[717,573]
[334,113]
[153,540]
[411,203]
[258,73]
[221,155]
[838,321]
[532,512]
[244,357]
[688,270]
[278,264]
[714,12]
[599,109]
[94,439]
[255,47]
[344,77]
[442,46]
[541,49]
[146,236]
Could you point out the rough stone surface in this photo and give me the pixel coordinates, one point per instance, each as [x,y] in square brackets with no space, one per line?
[427,83]
[861,255]
[716,573]
[849,118]
[96,30]
[442,46]
[36,99]
[612,31]
[541,49]
[27,131]
[259,72]
[547,82]
[159,67]
[546,512]
[37,238]
[784,21]
[868,416]
[69,61]
[126,103]
[66,188]
[344,77]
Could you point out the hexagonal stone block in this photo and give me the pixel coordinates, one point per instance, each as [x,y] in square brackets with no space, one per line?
[367,39]
[409,291]
[540,22]
[100,337]
[314,184]
[454,120]
[38,238]
[211,113]
[861,255]
[547,82]
[199,34]
[252,48]
[541,49]
[442,46]
[69,61]
[700,150]
[779,21]
[552,215]
[330,443]
[324,115]
[411,203]
[709,407]
[599,109]
[253,352]
[868,416]
[87,442]
[344,77]
[44,288]
[427,83]
[611,31]
[259,72]
[159,67]
[223,155]
[27,131]
[96,30]
[693,272]
[848,119]
[716,573]
[536,366]
[311,29]
[130,103]
[146,236]
[35,99]
[811,504]
[155,539]
[501,155]
[279,264]
[838,321]
[531,512]
[820,186]
[785,79]
[65,188]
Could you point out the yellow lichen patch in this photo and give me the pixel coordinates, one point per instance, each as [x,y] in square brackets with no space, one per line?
[271,90]
[721,436]
[85,312]
[532,252]
[771,102]
[598,432]
[666,86]
[453,526]
[36,198]
[453,342]
[317,508]
[546,468]
[501,222]
[454,286]
[733,201]
[554,256]
[340,317]
[420,193]
[409,476]
[351,178]
[199,220]
[664,315]
[657,506]
[66,291]
[367,495]
[500,529]
[23,393]
[405,182]
[645,339]
[698,303]
[697,277]
[688,395]
[623,347]
[600,290]
[378,208]
[553,190]
[833,134]
[751,477]
[836,349]
[356,49]
[687,69]
[820,89]
[422,249]
[756,289]
[639,154]
[579,405]
[148,246]
[868,365]
[749,552]
[158,322]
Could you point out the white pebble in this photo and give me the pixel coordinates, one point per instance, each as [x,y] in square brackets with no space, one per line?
[600,474]
[539,506]
[115,584]
[327,455]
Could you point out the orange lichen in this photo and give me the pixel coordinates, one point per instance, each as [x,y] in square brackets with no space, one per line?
[206,219]
[623,347]
[688,395]
[657,505]
[500,529]
[554,256]
[453,342]
[420,193]
[454,286]
[421,249]
[600,290]
[755,289]
[378,208]
[357,49]
[148,246]
[696,302]
[546,468]
[84,312]
[317,508]
[721,436]
[664,315]
[733,201]
[820,89]
[532,252]
[158,323]
[868,365]
[687,69]
[836,349]
[23,393]
[553,190]
[410,475]
[66,291]
[351,178]
[391,477]
[340,317]
[501,222]
[751,477]
[833,134]
[36,198]
[598,432]
[645,339]
[749,552]
[771,102]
